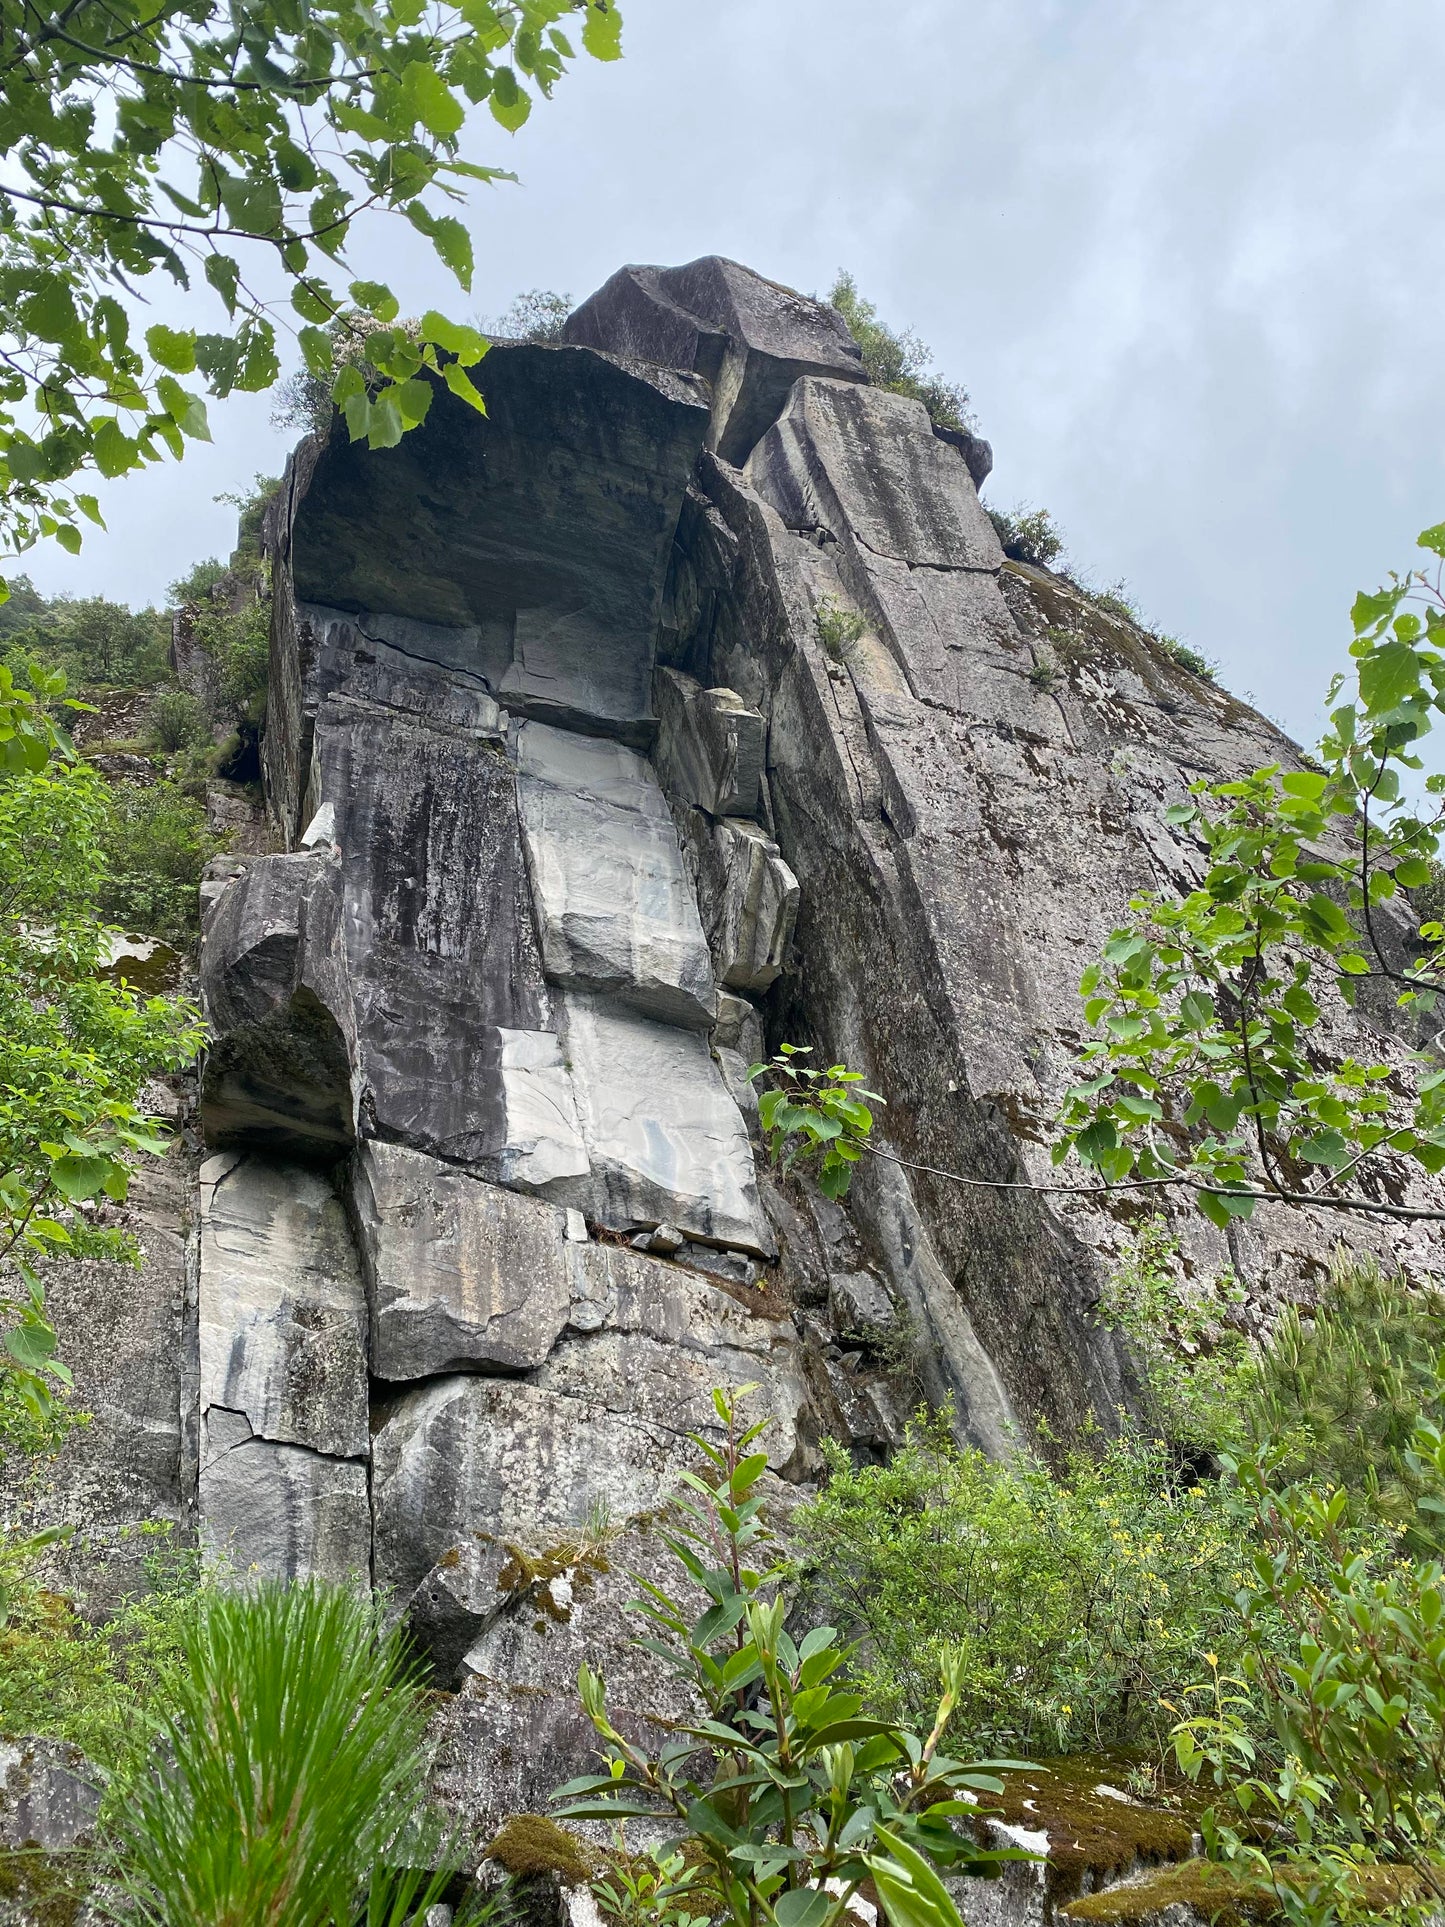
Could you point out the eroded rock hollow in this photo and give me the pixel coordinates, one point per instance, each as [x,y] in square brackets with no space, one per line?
[581,803]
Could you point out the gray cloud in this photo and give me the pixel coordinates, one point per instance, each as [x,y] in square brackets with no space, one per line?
[1185,259]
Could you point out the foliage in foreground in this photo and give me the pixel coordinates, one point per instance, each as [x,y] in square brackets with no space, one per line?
[1336,1391]
[790,1795]
[896,359]
[192,139]
[289,1785]
[1353,1690]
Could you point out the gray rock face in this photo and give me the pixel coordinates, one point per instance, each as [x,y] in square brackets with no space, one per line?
[748,898]
[273,979]
[614,904]
[461,1275]
[283,1373]
[49,1796]
[502,992]
[284,1512]
[665,1140]
[749,337]
[710,746]
[541,533]
[441,952]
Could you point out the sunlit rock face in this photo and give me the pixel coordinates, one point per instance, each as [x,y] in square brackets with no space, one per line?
[581,804]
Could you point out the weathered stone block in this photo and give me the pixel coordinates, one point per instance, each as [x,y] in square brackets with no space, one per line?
[460,1274]
[275,990]
[282,1309]
[49,1796]
[750,338]
[710,746]
[747,896]
[859,1304]
[614,903]
[665,1140]
[284,1512]
[866,466]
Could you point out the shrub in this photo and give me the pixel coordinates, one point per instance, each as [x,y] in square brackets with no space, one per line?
[538,315]
[177,721]
[1344,1816]
[197,583]
[790,1797]
[99,1687]
[289,1785]
[155,843]
[898,360]
[1073,1603]
[1340,1393]
[840,630]
[1028,535]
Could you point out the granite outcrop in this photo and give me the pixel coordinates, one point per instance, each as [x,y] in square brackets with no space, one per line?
[581,806]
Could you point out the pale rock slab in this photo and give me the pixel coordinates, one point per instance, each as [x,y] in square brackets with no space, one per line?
[284,1512]
[544,1151]
[614,905]
[461,1275]
[282,1311]
[710,746]
[666,1142]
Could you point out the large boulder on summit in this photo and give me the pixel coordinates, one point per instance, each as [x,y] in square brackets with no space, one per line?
[749,338]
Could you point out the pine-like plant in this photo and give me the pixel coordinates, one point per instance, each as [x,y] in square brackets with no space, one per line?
[289,1787]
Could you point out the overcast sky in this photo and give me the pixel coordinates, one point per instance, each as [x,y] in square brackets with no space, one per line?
[1186,259]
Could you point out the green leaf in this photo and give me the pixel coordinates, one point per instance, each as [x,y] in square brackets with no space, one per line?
[460,383]
[429,100]
[465,343]
[801,1907]
[385,429]
[114,452]
[602,30]
[1389,675]
[1432,539]
[448,237]
[186,410]
[77,1178]
[911,1892]
[510,104]
[172,348]
[31,1345]
[376,298]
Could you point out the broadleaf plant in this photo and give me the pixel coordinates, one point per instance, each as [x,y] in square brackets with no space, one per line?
[780,1785]
[233,149]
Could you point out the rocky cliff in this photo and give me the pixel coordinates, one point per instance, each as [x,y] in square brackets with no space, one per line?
[682,704]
